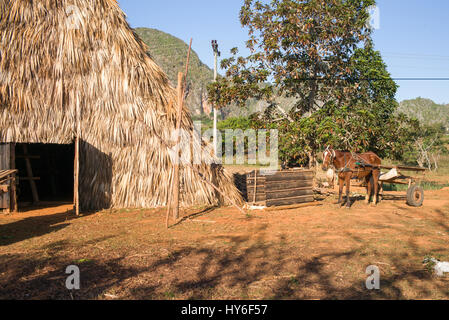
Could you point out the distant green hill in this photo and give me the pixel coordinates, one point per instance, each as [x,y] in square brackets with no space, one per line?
[426,111]
[170,53]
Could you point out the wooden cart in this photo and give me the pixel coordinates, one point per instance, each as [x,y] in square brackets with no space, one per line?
[415,193]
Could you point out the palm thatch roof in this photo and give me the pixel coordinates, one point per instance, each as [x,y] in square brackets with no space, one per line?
[60,56]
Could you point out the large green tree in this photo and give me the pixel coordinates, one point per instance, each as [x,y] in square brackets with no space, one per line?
[361,116]
[299,48]
[320,54]
[365,116]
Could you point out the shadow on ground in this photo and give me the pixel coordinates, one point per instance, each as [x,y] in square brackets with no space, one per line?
[243,267]
[35,226]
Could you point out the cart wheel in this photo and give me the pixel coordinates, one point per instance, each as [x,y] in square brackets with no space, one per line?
[415,196]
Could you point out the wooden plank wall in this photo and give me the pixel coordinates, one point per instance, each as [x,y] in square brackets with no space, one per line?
[5,157]
[281,188]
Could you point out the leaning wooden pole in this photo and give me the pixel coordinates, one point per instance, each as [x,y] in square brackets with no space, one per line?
[177,148]
[77,161]
[173,199]
[165,144]
[187,65]
[173,202]
[169,201]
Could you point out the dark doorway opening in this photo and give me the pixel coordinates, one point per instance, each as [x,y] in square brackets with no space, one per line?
[49,167]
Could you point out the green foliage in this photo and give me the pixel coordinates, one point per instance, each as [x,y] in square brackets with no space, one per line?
[361,118]
[206,122]
[320,55]
[236,123]
[311,51]
[426,185]
[426,145]
[298,48]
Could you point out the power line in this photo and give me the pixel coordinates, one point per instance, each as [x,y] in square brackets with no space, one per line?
[373,79]
[416,55]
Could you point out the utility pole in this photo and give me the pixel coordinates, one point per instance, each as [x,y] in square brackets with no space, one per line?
[216,55]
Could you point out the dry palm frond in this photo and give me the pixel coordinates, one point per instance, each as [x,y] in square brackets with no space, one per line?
[56,55]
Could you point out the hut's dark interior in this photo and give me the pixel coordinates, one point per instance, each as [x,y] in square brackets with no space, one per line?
[51,170]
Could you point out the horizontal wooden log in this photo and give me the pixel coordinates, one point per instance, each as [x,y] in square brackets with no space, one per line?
[282,185]
[291,174]
[282,177]
[258,190]
[289,194]
[259,198]
[6,173]
[290,189]
[284,172]
[258,182]
[259,179]
[396,182]
[297,170]
[295,206]
[250,195]
[258,187]
[290,201]
[405,168]
[28,179]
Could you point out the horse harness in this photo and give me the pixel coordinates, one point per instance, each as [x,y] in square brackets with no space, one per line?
[360,162]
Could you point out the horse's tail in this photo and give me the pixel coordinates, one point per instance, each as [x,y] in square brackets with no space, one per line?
[371,182]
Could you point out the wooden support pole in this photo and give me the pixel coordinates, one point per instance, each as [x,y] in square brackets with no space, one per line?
[77,161]
[14,205]
[76,178]
[30,175]
[13,189]
[255,186]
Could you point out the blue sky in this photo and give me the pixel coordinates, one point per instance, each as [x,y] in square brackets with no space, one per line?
[413,35]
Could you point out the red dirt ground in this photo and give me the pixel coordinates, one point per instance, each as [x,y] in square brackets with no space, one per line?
[318,252]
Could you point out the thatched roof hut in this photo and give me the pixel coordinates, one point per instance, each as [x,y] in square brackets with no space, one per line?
[61,56]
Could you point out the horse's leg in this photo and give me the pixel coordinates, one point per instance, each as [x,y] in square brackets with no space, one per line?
[376,174]
[368,189]
[348,185]
[341,184]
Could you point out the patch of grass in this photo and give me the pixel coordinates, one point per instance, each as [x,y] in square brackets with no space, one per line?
[294,281]
[169,294]
[426,185]
[82,261]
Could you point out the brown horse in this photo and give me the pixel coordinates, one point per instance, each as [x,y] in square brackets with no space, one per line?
[350,165]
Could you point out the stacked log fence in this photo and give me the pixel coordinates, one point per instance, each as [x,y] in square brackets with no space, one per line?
[281,188]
